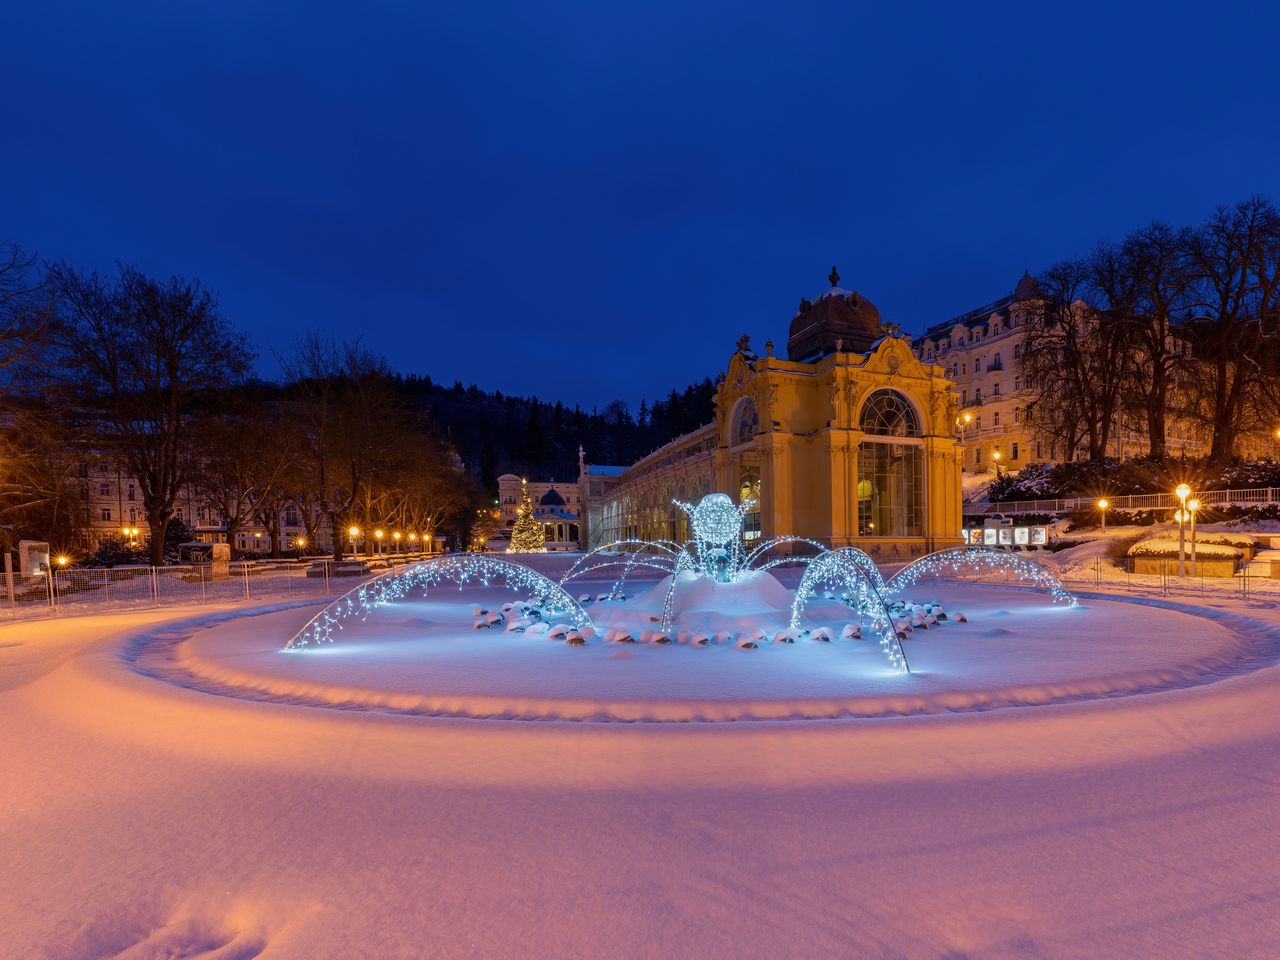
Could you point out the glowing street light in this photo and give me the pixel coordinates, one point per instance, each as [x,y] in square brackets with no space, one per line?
[1193,505]
[995,455]
[1102,509]
[1182,492]
[63,560]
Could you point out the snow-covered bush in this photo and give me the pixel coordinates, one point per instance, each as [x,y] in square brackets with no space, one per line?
[1167,549]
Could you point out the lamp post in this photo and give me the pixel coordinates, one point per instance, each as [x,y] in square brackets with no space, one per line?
[995,455]
[1193,505]
[378,535]
[1182,492]
[1102,509]
[396,537]
[352,533]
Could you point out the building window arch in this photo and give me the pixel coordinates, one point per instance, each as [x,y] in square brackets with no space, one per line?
[890,487]
[887,413]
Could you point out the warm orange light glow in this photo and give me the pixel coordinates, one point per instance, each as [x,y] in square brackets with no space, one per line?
[378,533]
[63,560]
[1183,491]
[1103,504]
[1193,505]
[353,531]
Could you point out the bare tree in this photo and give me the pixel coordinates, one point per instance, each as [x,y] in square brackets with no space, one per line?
[25,302]
[1236,303]
[131,358]
[343,400]
[1151,280]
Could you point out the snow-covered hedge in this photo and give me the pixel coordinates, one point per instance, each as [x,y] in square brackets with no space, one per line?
[1243,540]
[1168,549]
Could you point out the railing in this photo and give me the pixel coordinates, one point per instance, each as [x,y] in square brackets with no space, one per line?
[1261,496]
[101,590]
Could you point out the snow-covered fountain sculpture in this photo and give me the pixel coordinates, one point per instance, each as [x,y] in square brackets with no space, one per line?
[458,568]
[713,571]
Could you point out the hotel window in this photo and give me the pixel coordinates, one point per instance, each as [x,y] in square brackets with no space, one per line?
[995,390]
[104,489]
[1013,455]
[995,419]
[105,513]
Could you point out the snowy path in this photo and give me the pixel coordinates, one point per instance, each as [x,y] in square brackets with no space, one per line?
[142,819]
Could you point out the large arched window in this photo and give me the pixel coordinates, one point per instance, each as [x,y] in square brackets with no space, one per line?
[887,413]
[890,468]
[747,424]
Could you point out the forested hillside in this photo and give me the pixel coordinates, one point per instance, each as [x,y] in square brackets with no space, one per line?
[495,433]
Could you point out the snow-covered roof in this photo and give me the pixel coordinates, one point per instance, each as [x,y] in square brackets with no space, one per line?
[555,515]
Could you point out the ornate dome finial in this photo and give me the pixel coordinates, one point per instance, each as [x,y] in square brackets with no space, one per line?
[834,276]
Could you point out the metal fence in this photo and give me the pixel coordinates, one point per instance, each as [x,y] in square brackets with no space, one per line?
[1260,496]
[75,591]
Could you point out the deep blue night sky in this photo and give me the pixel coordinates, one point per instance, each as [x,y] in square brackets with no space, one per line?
[593,202]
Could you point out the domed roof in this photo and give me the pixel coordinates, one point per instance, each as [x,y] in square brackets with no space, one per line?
[1027,288]
[551,499]
[837,315]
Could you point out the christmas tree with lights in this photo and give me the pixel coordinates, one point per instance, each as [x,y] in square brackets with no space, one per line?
[527,535]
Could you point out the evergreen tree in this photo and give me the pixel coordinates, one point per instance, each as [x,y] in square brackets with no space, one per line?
[527,535]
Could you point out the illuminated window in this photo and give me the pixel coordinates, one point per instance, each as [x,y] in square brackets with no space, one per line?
[890,474]
[887,413]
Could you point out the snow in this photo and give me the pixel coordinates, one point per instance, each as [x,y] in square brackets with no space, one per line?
[412,658]
[146,817]
[1169,547]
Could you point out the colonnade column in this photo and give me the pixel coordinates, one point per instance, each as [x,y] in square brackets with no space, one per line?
[777,491]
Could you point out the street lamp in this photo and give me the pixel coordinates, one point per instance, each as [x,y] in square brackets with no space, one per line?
[352,533]
[1102,509]
[396,537]
[1182,491]
[378,534]
[1193,505]
[63,560]
[995,455]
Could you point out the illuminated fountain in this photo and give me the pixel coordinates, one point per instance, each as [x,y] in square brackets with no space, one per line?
[710,584]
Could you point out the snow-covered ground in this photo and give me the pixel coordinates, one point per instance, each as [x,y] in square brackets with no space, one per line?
[153,810]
